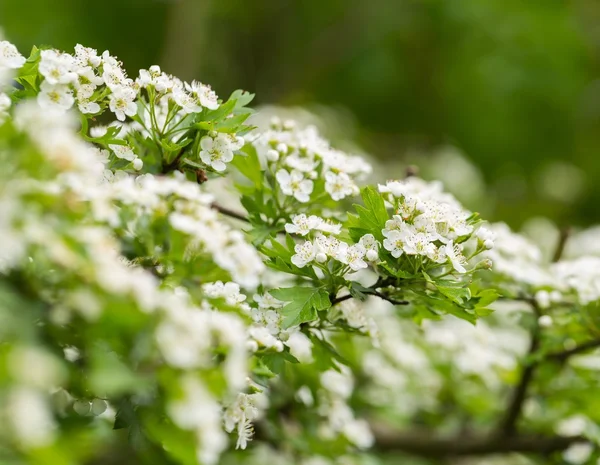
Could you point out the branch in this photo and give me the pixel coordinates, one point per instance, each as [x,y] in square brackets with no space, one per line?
[432,447]
[565,233]
[227,212]
[507,424]
[564,355]
[337,300]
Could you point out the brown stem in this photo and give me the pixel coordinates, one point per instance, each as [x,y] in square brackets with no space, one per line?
[227,212]
[507,426]
[565,233]
[564,355]
[427,446]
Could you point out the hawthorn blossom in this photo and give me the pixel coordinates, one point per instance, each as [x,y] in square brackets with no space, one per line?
[353,256]
[85,56]
[216,151]
[10,56]
[56,67]
[394,242]
[4,106]
[305,253]
[205,95]
[454,254]
[58,96]
[122,102]
[295,184]
[302,225]
[339,185]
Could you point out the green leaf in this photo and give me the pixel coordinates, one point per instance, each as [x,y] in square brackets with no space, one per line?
[486,297]
[249,165]
[456,291]
[241,97]
[371,217]
[304,303]
[220,113]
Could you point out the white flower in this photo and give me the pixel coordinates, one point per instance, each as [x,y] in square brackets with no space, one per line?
[305,253]
[455,256]
[57,67]
[330,227]
[302,225]
[55,96]
[187,102]
[267,301]
[207,97]
[339,185]
[122,102]
[113,76]
[330,246]
[418,244]
[295,184]
[216,151]
[578,453]
[123,151]
[10,56]
[353,256]
[85,56]
[486,237]
[300,346]
[394,242]
[4,106]
[230,291]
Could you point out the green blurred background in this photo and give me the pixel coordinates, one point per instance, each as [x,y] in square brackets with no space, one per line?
[511,84]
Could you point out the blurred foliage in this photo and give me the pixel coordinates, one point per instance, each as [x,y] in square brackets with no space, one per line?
[512,84]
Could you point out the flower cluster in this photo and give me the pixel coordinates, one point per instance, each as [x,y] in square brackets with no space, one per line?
[429,223]
[304,164]
[325,246]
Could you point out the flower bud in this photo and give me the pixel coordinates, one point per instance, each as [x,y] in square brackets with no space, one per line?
[98,407]
[488,244]
[275,122]
[372,255]
[542,298]
[282,148]
[272,155]
[252,346]
[321,257]
[484,265]
[138,164]
[82,407]
[545,321]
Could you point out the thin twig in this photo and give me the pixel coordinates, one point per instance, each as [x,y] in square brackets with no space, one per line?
[564,355]
[227,212]
[373,292]
[507,425]
[565,233]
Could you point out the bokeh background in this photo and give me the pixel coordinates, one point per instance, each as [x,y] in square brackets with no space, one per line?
[499,98]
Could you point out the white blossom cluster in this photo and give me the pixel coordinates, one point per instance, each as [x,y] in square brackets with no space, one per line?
[521,262]
[300,158]
[240,414]
[187,334]
[268,333]
[337,387]
[94,82]
[412,360]
[325,246]
[429,223]
[189,211]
